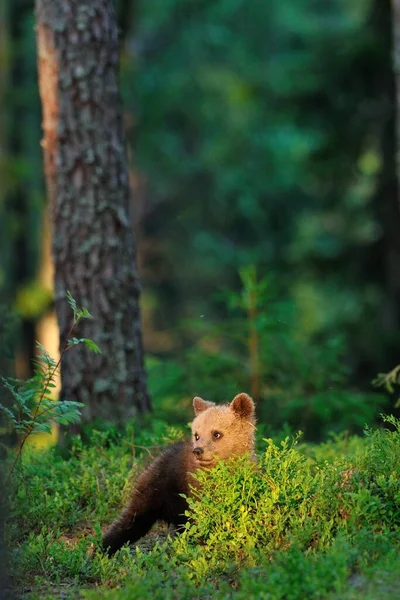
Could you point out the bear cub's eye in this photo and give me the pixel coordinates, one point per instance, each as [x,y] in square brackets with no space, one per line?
[217,435]
[196,436]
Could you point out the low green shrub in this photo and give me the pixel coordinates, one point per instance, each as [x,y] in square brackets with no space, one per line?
[246,510]
[86,487]
[318,522]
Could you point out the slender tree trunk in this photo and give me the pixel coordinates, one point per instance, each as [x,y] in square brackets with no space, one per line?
[389,183]
[87,179]
[396,70]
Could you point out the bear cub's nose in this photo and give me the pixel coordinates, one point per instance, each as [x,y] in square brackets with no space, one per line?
[198,451]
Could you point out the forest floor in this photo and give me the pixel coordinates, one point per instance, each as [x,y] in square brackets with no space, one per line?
[314,521]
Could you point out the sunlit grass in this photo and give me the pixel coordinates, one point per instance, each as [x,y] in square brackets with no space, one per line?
[316,522]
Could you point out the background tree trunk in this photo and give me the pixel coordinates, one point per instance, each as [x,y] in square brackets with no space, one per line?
[387,200]
[87,179]
[389,181]
[396,69]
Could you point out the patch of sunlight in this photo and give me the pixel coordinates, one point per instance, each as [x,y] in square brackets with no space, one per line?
[43,440]
[370,162]
[32,299]
[48,335]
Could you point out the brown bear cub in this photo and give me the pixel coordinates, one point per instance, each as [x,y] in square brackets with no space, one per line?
[218,432]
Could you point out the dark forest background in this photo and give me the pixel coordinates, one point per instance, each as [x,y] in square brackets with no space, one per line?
[262,160]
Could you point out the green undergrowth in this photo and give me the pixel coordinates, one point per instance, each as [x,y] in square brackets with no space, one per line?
[304,521]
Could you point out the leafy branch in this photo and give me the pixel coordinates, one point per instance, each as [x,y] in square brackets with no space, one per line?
[389,381]
[33,409]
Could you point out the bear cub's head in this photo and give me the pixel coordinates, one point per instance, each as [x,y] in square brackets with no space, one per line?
[222,431]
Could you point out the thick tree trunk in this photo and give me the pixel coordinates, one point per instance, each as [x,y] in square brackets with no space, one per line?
[87,179]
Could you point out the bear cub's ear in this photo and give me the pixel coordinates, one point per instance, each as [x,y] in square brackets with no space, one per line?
[201,405]
[243,406]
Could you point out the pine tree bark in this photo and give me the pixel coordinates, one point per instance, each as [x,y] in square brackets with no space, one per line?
[88,186]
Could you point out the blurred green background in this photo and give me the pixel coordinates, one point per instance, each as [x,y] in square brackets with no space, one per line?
[262,154]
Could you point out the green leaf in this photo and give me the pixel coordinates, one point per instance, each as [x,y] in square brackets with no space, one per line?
[75,341]
[9,414]
[79,313]
[20,428]
[92,346]
[65,405]
[41,428]
[85,314]
[89,343]
[72,302]
[44,356]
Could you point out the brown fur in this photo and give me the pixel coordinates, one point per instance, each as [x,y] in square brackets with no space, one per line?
[217,432]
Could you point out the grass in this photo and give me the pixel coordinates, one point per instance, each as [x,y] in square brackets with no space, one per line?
[310,521]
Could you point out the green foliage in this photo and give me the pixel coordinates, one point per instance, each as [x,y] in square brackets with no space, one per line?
[33,410]
[255,133]
[390,381]
[261,137]
[88,343]
[265,508]
[304,521]
[79,313]
[257,346]
[86,485]
[295,575]
[288,501]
